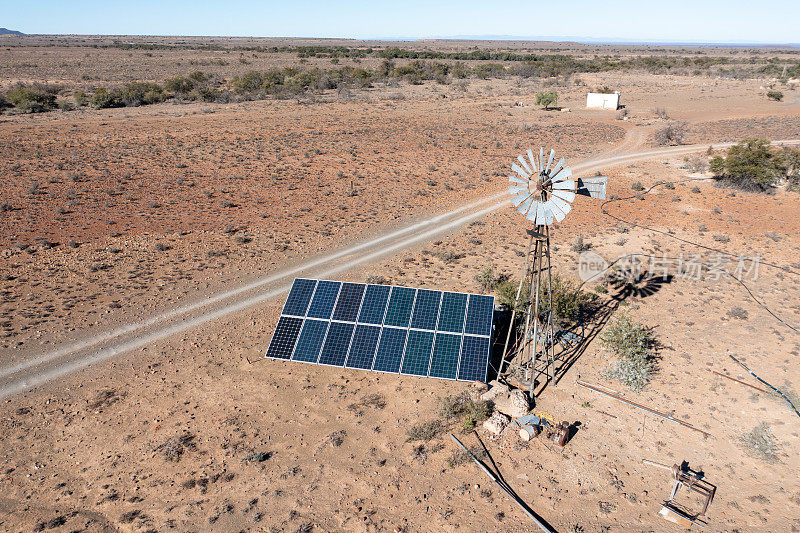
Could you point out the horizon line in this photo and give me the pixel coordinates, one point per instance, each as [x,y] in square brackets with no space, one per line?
[489,37]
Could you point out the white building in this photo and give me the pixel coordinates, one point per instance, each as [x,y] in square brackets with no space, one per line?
[603,100]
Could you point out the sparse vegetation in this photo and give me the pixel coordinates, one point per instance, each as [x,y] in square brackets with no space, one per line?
[761,443]
[467,412]
[488,280]
[634,346]
[753,165]
[673,134]
[34,98]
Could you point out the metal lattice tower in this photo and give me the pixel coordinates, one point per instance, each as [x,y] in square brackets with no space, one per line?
[544,194]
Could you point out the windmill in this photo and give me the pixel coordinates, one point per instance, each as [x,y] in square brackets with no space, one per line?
[543,193]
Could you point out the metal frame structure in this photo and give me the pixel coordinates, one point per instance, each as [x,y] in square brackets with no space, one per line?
[544,193]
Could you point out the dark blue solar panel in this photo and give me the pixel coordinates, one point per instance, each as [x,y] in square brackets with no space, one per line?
[451,316]
[349,301]
[474,358]
[282,343]
[444,363]
[310,341]
[426,310]
[390,350]
[479,315]
[362,349]
[400,304]
[384,328]
[299,297]
[324,299]
[337,343]
[418,353]
[374,305]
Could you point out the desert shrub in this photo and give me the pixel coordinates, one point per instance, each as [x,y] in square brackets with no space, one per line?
[580,244]
[546,99]
[777,96]
[761,443]
[697,163]
[633,344]
[34,98]
[464,410]
[460,457]
[488,280]
[661,113]
[376,279]
[81,98]
[673,134]
[791,163]
[570,304]
[750,165]
[425,431]
[179,84]
[102,99]
[139,93]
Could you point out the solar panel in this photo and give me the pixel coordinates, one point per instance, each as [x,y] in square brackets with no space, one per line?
[324,299]
[400,304]
[418,353]
[374,306]
[384,328]
[299,297]
[426,309]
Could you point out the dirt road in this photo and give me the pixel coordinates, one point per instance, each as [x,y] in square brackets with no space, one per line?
[75,356]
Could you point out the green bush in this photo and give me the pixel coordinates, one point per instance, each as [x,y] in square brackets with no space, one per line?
[139,93]
[462,408]
[751,165]
[81,98]
[570,304]
[32,98]
[488,279]
[547,99]
[633,344]
[102,99]
[775,95]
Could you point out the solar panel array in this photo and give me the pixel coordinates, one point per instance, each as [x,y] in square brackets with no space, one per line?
[386,328]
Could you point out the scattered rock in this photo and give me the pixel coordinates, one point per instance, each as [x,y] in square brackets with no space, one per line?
[513,404]
[496,423]
[477,389]
[495,389]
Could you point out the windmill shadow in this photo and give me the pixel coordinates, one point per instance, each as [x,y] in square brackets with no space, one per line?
[572,341]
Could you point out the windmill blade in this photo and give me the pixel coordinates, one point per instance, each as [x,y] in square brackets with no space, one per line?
[523,208]
[550,159]
[515,167]
[532,159]
[541,159]
[564,174]
[558,215]
[549,216]
[567,196]
[594,187]
[516,189]
[560,204]
[566,185]
[524,164]
[514,179]
[557,168]
[518,199]
[533,210]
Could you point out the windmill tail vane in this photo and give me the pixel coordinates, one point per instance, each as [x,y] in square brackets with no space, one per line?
[544,193]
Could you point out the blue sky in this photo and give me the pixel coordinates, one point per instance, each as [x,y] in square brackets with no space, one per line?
[767,21]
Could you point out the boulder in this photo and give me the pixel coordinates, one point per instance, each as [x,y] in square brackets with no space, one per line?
[496,423]
[514,404]
[476,389]
[496,388]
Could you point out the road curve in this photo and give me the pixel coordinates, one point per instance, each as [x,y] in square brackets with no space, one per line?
[71,357]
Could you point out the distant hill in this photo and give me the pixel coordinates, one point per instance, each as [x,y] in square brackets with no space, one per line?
[6,31]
